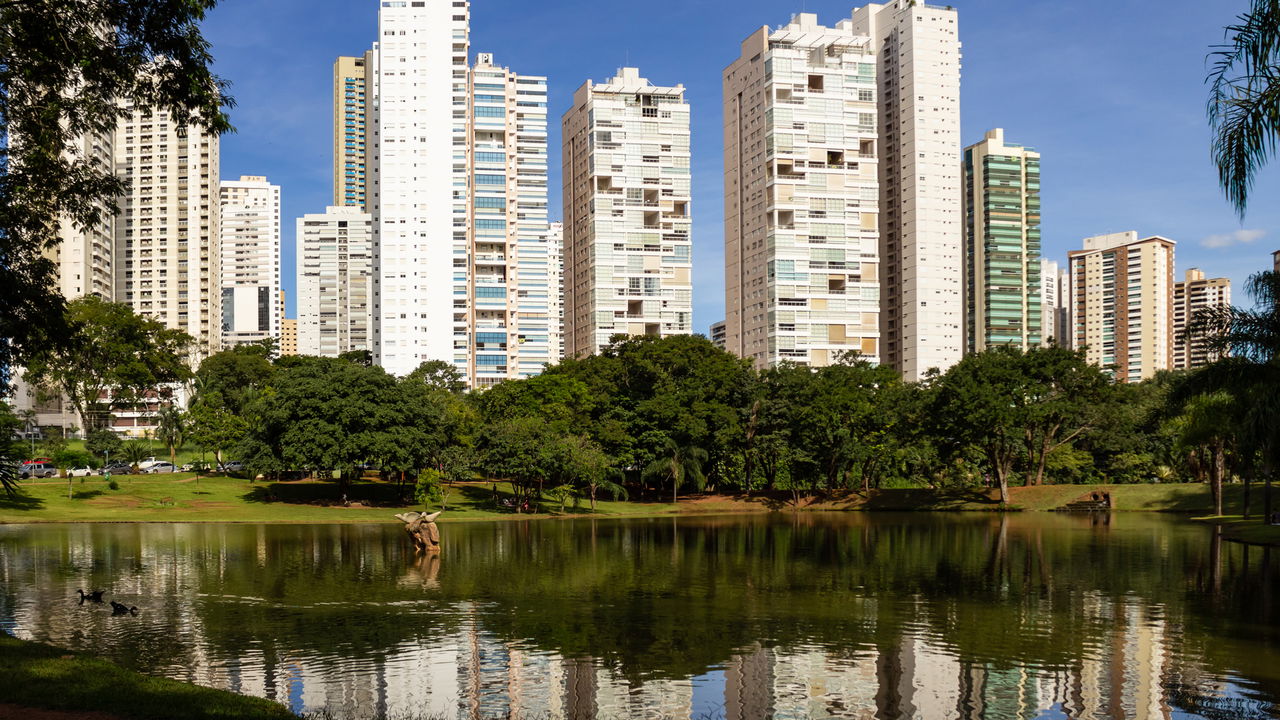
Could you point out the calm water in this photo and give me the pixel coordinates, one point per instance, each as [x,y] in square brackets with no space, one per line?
[852,615]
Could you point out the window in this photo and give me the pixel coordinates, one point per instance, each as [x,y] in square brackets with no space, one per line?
[491,202]
[491,224]
[491,179]
[491,292]
[490,157]
[491,360]
[490,112]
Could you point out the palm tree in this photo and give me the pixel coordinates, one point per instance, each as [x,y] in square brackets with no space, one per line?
[1206,426]
[1248,341]
[1244,100]
[171,429]
[679,464]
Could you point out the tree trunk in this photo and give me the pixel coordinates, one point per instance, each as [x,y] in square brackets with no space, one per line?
[1247,482]
[1216,471]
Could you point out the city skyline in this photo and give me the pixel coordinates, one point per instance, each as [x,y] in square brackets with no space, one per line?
[1083,117]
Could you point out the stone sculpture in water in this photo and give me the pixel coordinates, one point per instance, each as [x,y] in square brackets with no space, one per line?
[422,530]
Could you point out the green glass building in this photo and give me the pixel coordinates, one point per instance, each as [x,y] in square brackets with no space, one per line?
[1002,244]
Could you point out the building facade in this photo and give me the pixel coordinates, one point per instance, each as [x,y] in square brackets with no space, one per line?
[1122,303]
[555,265]
[419,199]
[802,231]
[1190,296]
[335,282]
[718,335]
[167,254]
[1002,245]
[1055,304]
[84,255]
[350,129]
[921,223]
[511,312]
[249,232]
[627,247]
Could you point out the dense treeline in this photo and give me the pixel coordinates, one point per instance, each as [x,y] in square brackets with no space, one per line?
[654,417]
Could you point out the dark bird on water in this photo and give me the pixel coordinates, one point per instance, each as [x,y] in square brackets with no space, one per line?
[122,609]
[94,597]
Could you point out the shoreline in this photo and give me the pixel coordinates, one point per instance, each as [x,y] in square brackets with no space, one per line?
[183,499]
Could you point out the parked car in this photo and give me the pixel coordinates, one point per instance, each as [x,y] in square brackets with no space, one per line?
[159,467]
[38,470]
[148,463]
[232,466]
[80,471]
[119,468]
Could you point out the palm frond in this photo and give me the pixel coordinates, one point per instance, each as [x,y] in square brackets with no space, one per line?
[1244,99]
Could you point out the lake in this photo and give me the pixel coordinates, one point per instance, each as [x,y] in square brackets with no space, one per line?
[859,615]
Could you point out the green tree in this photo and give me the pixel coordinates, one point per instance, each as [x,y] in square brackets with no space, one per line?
[231,378]
[440,375]
[10,451]
[1244,99]
[1060,404]
[679,465]
[115,353]
[1208,425]
[1248,341]
[521,450]
[586,467]
[103,443]
[216,429]
[135,452]
[68,68]
[171,429]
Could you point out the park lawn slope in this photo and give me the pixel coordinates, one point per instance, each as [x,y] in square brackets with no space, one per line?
[1252,531]
[50,678]
[185,498]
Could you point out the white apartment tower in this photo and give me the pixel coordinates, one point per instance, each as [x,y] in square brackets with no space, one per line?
[1122,303]
[419,195]
[627,248]
[1190,296]
[1055,303]
[511,311]
[921,223]
[167,254]
[335,281]
[84,255]
[555,285]
[250,252]
[802,231]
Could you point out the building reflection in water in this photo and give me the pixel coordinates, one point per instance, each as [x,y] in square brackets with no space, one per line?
[432,656]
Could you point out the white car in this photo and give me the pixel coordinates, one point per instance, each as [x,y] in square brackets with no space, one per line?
[153,460]
[80,471]
[159,467]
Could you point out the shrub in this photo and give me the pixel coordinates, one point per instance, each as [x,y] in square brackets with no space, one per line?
[113,484]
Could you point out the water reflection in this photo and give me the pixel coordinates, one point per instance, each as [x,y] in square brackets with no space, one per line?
[857,616]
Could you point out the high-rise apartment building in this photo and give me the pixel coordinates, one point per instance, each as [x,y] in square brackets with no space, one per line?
[351,99]
[1055,304]
[335,281]
[627,248]
[419,196]
[921,223]
[802,231]
[167,255]
[719,335]
[250,266]
[512,314]
[288,336]
[1122,298]
[1190,296]
[84,255]
[555,285]
[1002,245]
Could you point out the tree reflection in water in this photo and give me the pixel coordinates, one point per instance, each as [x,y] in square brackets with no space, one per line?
[786,616]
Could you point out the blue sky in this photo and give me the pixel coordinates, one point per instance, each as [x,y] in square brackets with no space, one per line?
[1110,91]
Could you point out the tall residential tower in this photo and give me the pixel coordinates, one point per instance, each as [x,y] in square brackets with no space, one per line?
[802,196]
[1002,245]
[921,223]
[250,265]
[627,248]
[1191,295]
[1122,298]
[167,253]
[351,99]
[335,281]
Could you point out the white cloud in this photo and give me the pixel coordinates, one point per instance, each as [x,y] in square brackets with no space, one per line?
[1239,237]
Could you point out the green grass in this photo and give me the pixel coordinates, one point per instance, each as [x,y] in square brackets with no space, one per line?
[1252,531]
[41,676]
[182,497]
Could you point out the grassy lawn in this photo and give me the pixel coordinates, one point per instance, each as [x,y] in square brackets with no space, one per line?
[40,676]
[1252,531]
[182,497]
